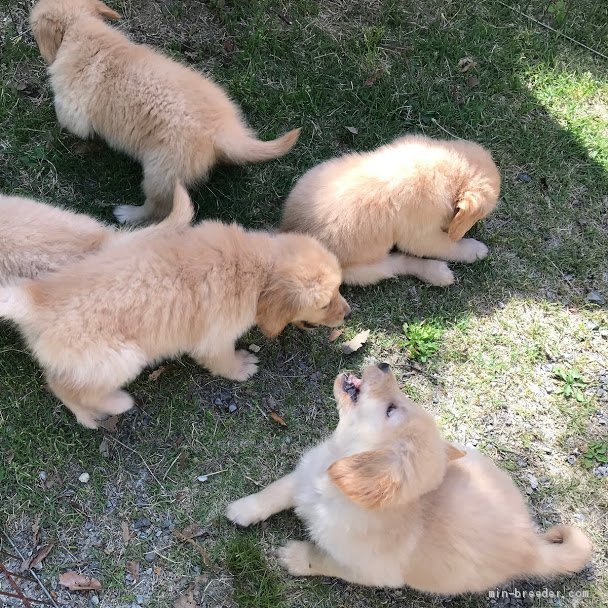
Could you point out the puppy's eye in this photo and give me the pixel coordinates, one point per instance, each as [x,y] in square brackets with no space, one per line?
[390,409]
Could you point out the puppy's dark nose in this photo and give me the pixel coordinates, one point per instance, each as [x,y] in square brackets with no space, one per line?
[385,367]
[348,315]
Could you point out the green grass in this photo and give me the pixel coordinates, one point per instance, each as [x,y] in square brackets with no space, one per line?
[489,353]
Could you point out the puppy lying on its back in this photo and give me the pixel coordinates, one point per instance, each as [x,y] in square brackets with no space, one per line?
[160,292]
[36,238]
[175,122]
[388,502]
[418,194]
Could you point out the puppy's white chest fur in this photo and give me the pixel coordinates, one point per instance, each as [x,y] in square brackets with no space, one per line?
[371,545]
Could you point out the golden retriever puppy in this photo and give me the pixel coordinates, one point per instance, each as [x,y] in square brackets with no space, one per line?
[388,502]
[417,194]
[160,292]
[174,121]
[36,238]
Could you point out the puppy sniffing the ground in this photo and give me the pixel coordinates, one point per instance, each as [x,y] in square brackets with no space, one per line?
[388,502]
[160,292]
[36,238]
[174,121]
[417,194]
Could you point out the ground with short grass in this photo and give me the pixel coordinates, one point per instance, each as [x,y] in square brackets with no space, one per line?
[512,359]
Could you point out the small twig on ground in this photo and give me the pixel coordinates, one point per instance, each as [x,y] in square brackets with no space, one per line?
[140,456]
[552,29]
[445,130]
[36,578]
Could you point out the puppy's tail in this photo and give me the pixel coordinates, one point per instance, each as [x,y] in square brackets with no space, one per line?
[562,550]
[240,146]
[14,303]
[182,211]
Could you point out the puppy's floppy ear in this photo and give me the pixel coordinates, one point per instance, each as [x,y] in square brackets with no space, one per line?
[368,478]
[277,307]
[453,452]
[105,11]
[467,211]
[48,33]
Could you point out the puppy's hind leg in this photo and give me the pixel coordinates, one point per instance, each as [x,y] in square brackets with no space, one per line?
[430,271]
[278,496]
[158,186]
[91,406]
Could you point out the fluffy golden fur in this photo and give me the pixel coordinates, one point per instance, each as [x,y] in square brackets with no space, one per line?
[36,238]
[417,194]
[162,291]
[388,502]
[174,121]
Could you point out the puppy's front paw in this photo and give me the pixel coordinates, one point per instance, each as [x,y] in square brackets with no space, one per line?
[245,365]
[473,250]
[130,214]
[245,511]
[295,556]
[438,273]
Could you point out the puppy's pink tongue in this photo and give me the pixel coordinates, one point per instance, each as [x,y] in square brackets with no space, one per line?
[356,382]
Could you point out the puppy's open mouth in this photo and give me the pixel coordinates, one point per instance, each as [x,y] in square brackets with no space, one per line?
[351,386]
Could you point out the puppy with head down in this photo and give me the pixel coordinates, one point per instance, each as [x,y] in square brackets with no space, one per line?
[388,502]
[417,194]
[174,121]
[36,238]
[162,291]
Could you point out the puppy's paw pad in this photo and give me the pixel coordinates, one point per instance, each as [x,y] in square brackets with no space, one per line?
[439,273]
[246,366]
[130,214]
[474,250]
[245,511]
[295,558]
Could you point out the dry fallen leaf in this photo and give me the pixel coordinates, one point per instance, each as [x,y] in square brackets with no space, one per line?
[352,130]
[133,570]
[466,64]
[356,343]
[472,82]
[373,78]
[155,375]
[104,448]
[36,529]
[126,534]
[192,531]
[37,557]
[110,424]
[188,600]
[157,570]
[334,334]
[185,601]
[278,419]
[77,582]
[204,555]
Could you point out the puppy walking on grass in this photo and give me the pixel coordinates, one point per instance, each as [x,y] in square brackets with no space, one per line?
[174,121]
[388,502]
[417,194]
[163,291]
